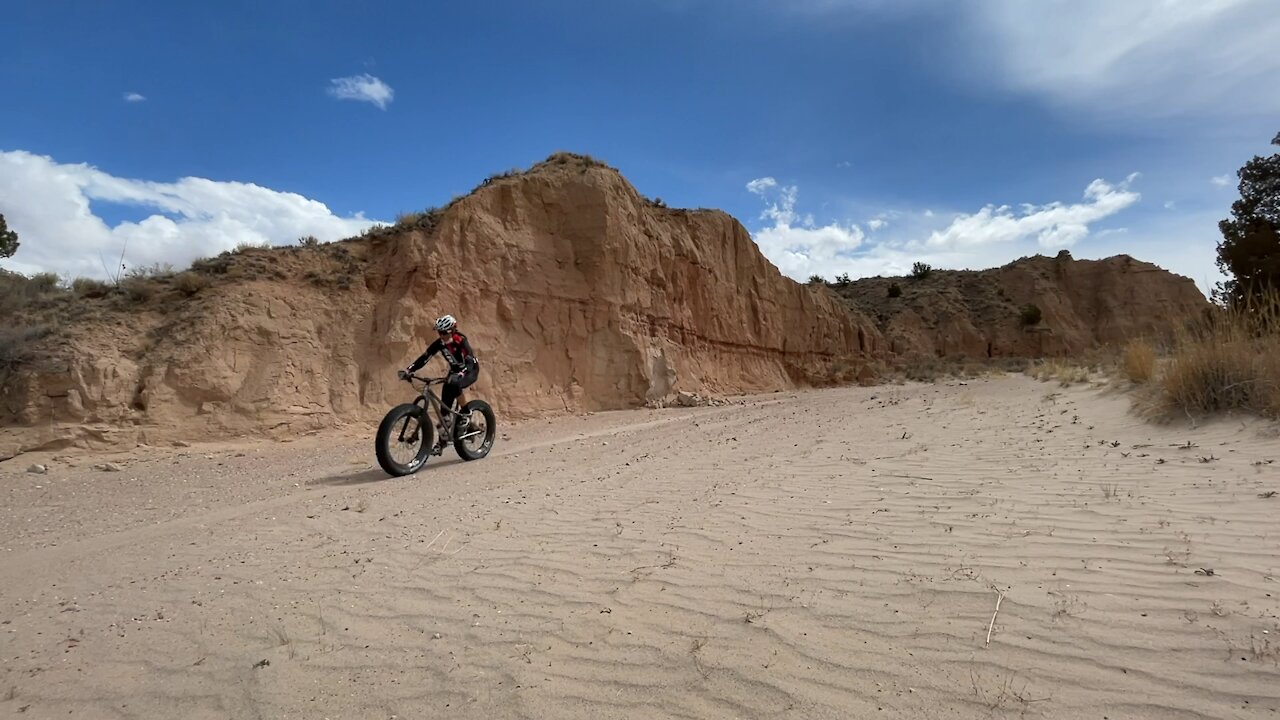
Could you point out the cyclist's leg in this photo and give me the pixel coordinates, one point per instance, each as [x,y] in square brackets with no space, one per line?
[466,380]
[450,392]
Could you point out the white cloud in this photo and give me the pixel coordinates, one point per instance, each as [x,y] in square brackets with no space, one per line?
[1136,57]
[1055,225]
[1221,180]
[48,204]
[134,97]
[877,223]
[804,250]
[1170,205]
[364,88]
[992,236]
[1111,231]
[844,164]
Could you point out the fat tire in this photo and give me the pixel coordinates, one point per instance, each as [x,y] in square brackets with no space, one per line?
[491,429]
[390,426]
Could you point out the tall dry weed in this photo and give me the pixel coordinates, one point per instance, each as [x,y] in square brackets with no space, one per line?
[1229,360]
[1066,373]
[18,345]
[1138,361]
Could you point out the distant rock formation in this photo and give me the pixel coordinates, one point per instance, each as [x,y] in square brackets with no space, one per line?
[1082,304]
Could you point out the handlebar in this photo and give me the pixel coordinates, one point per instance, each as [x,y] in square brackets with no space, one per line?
[427,380]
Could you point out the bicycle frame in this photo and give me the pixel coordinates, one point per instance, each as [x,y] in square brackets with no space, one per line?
[436,403]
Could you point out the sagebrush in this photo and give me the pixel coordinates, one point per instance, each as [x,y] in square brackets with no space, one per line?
[1138,361]
[1227,360]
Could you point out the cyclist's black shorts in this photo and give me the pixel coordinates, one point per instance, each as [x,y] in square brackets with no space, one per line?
[456,382]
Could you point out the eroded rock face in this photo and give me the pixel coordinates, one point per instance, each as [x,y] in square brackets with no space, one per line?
[576,293]
[1084,304]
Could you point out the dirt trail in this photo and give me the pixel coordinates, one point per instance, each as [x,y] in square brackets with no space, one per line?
[823,554]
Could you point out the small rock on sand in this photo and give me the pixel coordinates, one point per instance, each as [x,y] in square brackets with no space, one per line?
[38,469]
[108,467]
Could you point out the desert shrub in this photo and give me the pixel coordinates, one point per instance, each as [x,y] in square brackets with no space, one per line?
[817,280]
[44,283]
[1030,314]
[924,368]
[18,345]
[895,291]
[91,288]
[17,291]
[427,220]
[252,246]
[921,270]
[513,172]
[1138,361]
[843,280]
[1012,364]
[570,158]
[1063,372]
[138,289]
[213,266]
[189,283]
[157,270]
[1229,360]
[308,241]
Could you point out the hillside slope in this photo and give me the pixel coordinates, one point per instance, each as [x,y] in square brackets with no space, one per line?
[1084,304]
[576,292]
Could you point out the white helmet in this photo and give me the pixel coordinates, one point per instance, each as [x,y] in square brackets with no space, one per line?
[446,323]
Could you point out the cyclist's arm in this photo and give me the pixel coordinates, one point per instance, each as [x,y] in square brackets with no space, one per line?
[432,349]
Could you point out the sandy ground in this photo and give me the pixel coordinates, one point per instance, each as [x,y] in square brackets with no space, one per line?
[834,554]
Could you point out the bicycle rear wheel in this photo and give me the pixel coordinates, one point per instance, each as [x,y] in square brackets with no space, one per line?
[476,440]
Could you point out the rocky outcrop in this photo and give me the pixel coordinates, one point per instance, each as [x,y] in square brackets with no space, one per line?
[576,292]
[1083,305]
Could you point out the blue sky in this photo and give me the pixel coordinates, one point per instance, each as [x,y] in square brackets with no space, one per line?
[847,135]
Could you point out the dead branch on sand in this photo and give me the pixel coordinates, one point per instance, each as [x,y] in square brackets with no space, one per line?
[992,626]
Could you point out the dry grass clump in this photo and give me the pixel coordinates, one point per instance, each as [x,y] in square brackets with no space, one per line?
[18,345]
[844,372]
[580,160]
[156,271]
[932,369]
[18,292]
[1138,361]
[189,283]
[138,289]
[1064,372]
[1228,360]
[91,288]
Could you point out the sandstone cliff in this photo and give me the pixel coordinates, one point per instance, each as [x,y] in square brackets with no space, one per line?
[577,294]
[1084,305]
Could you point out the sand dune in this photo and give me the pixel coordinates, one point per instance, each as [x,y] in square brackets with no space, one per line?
[829,554]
